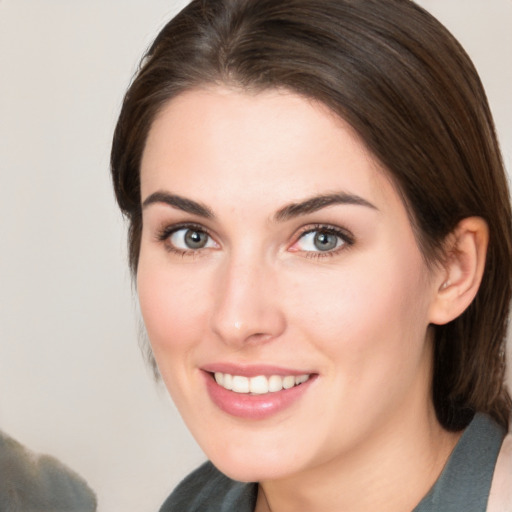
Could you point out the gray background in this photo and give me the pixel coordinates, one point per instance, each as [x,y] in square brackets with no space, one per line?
[72,382]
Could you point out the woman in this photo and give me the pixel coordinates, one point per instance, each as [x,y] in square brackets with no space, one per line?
[320,233]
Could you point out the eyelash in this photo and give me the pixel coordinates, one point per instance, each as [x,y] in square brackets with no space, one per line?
[166,232]
[347,239]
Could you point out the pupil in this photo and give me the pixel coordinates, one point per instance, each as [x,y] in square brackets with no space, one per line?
[195,239]
[325,241]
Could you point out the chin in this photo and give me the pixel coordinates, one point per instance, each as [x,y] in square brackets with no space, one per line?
[245,471]
[254,464]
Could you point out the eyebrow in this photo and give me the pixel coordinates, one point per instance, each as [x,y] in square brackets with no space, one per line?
[288,212]
[316,203]
[180,203]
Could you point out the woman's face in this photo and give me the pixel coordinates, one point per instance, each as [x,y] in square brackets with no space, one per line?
[275,252]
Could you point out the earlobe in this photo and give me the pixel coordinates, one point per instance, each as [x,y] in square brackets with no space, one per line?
[461,272]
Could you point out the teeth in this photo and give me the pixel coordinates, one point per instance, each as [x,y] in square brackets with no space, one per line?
[275,383]
[259,385]
[240,384]
[300,379]
[227,381]
[289,382]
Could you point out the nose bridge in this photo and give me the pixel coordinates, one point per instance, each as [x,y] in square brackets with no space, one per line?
[246,308]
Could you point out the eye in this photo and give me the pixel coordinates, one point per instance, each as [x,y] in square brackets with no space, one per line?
[322,239]
[189,239]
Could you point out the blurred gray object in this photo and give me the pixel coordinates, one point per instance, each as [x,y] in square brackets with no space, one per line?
[39,483]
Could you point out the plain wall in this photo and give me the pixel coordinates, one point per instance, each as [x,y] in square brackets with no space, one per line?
[72,381]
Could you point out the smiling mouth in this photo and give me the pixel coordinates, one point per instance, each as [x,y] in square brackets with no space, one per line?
[259,385]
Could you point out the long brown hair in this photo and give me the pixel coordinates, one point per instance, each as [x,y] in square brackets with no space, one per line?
[410,91]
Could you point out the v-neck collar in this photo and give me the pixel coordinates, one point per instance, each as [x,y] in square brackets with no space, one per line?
[465,481]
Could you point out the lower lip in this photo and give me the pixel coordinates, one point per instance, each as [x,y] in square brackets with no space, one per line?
[254,407]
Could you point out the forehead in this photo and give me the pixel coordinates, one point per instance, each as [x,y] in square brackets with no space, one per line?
[231,144]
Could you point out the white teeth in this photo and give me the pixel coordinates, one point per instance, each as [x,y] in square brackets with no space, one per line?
[300,379]
[227,381]
[275,383]
[288,382]
[259,385]
[240,384]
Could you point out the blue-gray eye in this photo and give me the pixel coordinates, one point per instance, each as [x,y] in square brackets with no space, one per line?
[325,241]
[191,239]
[319,241]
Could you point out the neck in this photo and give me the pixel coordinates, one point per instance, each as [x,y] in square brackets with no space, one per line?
[391,473]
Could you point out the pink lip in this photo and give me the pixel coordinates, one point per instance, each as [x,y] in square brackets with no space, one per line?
[254,407]
[252,370]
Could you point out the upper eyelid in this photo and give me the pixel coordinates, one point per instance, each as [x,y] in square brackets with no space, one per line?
[166,230]
[172,228]
[337,230]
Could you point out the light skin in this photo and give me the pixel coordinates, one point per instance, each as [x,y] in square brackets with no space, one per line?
[306,260]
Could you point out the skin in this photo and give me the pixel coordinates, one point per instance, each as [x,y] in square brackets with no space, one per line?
[364,435]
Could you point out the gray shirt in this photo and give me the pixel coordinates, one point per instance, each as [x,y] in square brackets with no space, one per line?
[463,485]
[39,483]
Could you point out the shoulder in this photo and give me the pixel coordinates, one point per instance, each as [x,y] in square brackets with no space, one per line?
[207,489]
[39,482]
[500,497]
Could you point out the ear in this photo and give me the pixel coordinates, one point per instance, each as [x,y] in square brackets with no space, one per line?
[460,274]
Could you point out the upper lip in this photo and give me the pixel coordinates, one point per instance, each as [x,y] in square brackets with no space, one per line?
[252,370]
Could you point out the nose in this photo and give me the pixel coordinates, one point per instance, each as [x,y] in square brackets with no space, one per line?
[246,308]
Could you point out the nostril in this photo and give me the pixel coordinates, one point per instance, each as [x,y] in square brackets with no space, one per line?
[258,337]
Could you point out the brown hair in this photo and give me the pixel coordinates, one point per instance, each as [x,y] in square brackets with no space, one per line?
[410,91]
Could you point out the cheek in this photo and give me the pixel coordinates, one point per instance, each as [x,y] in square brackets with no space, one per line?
[171,307]
[366,314]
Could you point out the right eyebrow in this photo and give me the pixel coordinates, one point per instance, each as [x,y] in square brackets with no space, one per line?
[180,203]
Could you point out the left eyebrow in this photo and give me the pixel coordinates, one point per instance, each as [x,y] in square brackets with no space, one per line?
[316,203]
